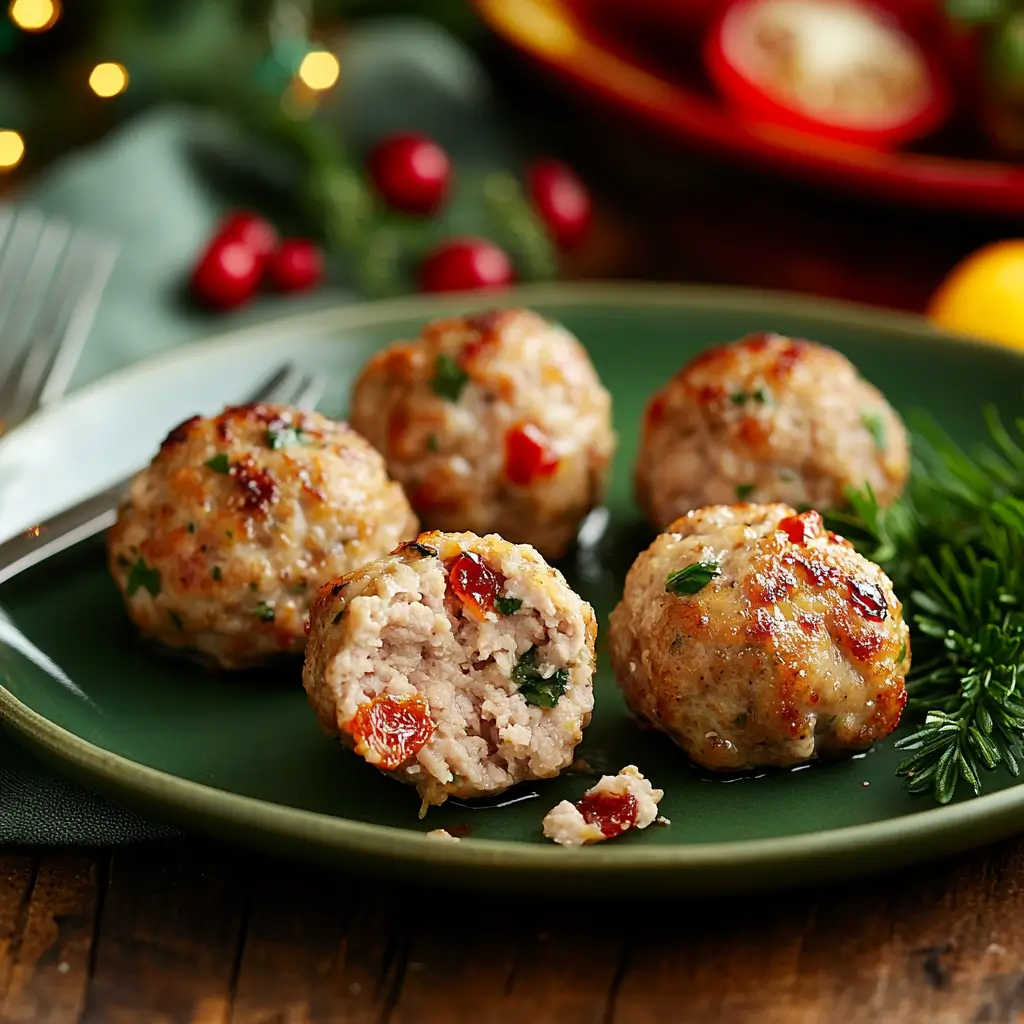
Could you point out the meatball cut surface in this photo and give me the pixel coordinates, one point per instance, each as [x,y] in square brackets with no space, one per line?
[495,423]
[223,540]
[753,636]
[764,419]
[459,664]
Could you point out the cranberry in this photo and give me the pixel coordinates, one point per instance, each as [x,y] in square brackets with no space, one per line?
[253,231]
[475,583]
[296,265]
[613,813]
[411,172]
[462,264]
[391,728]
[227,274]
[528,455]
[562,201]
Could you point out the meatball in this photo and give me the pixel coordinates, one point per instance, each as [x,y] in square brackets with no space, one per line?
[753,636]
[767,419]
[494,423]
[460,665]
[614,805]
[224,538]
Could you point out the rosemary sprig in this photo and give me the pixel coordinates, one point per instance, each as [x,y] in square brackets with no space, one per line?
[954,548]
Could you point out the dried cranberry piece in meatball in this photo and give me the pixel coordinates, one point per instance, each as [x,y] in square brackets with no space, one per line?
[494,423]
[459,664]
[767,418]
[223,540]
[753,636]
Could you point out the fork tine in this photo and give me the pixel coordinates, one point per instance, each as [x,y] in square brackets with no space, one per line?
[282,381]
[59,331]
[310,392]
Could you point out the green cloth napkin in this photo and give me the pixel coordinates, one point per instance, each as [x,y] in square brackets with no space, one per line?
[149,187]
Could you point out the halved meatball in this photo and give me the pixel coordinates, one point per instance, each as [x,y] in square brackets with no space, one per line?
[615,804]
[764,419]
[494,423]
[225,537]
[753,636]
[459,664]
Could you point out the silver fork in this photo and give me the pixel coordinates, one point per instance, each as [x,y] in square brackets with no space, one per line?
[95,514]
[52,277]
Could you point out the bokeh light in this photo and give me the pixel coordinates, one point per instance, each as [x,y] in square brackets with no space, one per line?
[12,149]
[34,15]
[108,79]
[319,70]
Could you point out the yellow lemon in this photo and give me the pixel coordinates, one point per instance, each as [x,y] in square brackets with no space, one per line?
[984,295]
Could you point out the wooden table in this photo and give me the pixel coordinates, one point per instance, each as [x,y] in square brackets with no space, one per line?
[195,932]
[198,933]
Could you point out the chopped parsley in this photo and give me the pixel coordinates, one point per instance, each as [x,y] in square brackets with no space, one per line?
[215,572]
[875,426]
[340,616]
[254,586]
[176,619]
[743,491]
[903,651]
[284,436]
[265,612]
[423,550]
[191,527]
[449,378]
[740,397]
[535,689]
[740,719]
[219,463]
[693,578]
[508,605]
[142,575]
[432,445]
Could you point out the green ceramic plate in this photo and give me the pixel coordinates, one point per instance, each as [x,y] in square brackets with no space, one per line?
[243,757]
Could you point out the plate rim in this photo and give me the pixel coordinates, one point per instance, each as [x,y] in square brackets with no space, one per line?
[1004,809]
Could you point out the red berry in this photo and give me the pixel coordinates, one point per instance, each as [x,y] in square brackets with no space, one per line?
[463,264]
[561,200]
[251,230]
[296,265]
[528,455]
[227,274]
[411,172]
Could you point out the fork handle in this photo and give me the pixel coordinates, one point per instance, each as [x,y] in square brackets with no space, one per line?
[86,519]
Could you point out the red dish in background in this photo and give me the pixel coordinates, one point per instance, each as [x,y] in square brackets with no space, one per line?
[572,39]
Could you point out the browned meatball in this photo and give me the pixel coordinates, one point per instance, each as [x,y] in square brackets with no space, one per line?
[495,423]
[225,537]
[767,418]
[753,636]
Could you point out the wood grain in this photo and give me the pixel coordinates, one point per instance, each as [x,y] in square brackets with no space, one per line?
[199,933]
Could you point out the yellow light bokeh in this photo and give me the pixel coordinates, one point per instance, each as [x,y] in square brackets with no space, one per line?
[12,149]
[319,70]
[34,15]
[108,79]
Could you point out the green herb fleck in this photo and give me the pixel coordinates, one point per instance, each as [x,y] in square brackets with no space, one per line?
[738,397]
[693,578]
[743,491]
[508,605]
[424,550]
[903,651]
[535,689]
[760,395]
[228,534]
[191,527]
[254,586]
[283,436]
[123,562]
[142,575]
[265,612]
[340,616]
[432,445]
[876,427]
[449,378]
[215,572]
[176,619]
[219,463]
[740,719]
